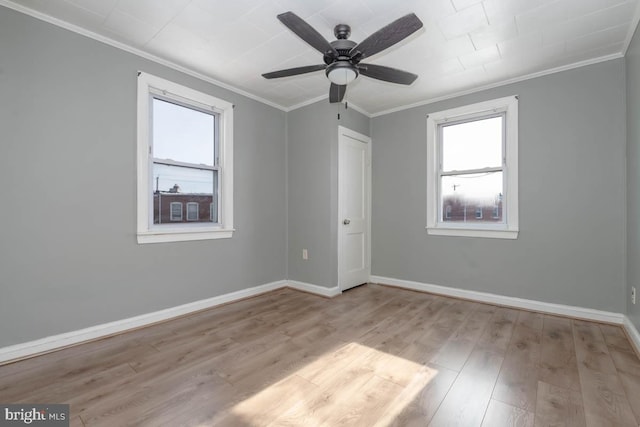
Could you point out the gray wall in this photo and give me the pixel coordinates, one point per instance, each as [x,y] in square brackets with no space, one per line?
[67,167]
[313,188]
[571,247]
[633,176]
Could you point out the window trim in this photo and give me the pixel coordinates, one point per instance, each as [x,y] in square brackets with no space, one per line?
[146,232]
[510,228]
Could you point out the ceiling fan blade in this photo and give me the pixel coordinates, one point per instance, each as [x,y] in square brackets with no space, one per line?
[307,33]
[387,74]
[387,36]
[294,71]
[336,92]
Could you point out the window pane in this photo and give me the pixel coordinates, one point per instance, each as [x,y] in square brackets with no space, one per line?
[472,145]
[176,211]
[194,188]
[472,198]
[192,211]
[182,134]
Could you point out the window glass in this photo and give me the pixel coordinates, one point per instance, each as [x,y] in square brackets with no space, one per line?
[472,145]
[182,134]
[192,211]
[176,211]
[470,192]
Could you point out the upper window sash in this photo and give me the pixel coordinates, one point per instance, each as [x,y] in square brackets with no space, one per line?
[214,112]
[470,118]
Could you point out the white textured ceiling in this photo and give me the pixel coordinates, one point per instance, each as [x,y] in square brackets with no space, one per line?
[465,44]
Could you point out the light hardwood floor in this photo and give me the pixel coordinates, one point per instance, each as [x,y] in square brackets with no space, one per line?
[374,356]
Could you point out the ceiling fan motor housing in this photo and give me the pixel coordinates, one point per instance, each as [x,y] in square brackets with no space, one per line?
[343,46]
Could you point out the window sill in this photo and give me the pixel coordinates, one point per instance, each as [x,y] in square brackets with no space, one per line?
[468,232]
[163,236]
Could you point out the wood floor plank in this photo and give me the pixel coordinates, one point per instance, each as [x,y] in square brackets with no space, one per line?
[631,385]
[469,396]
[500,414]
[591,349]
[559,406]
[276,364]
[364,358]
[628,367]
[615,337]
[332,363]
[66,390]
[111,353]
[558,364]
[419,400]
[440,325]
[455,352]
[497,334]
[366,406]
[391,367]
[143,401]
[315,408]
[605,400]
[76,422]
[264,407]
[517,383]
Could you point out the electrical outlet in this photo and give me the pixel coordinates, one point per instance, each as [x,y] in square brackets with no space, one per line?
[633,295]
[305,254]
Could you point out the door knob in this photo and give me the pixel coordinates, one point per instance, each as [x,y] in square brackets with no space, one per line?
[346,222]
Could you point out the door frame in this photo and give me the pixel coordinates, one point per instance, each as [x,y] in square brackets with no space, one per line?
[342,133]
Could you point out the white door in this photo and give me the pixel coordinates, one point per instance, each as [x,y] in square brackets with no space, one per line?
[354,195]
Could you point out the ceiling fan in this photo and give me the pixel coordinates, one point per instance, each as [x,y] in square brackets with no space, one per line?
[342,56]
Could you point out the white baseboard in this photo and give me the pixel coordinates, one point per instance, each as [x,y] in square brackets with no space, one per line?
[54,342]
[527,304]
[314,289]
[633,333]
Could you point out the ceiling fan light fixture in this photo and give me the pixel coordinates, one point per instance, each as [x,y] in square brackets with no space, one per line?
[341,72]
[342,56]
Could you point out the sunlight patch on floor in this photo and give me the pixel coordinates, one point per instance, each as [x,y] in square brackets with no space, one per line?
[342,384]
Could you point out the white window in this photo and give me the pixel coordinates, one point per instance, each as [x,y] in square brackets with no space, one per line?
[185,150]
[176,211]
[472,155]
[192,211]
